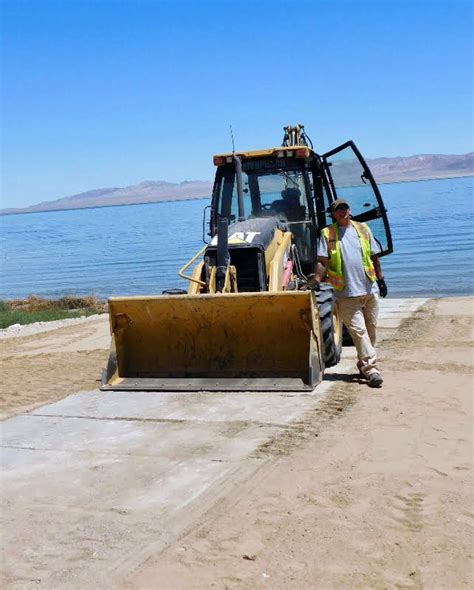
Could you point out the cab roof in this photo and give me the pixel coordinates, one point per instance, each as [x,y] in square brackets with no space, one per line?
[297,151]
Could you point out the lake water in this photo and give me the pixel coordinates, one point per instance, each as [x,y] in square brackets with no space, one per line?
[137,249]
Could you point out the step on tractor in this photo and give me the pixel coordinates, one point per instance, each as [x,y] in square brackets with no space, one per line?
[249,319]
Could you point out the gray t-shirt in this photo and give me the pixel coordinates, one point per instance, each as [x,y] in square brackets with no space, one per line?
[357,282]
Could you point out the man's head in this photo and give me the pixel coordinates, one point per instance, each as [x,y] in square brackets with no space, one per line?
[340,211]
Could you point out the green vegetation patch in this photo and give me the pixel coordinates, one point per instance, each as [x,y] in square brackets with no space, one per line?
[37,309]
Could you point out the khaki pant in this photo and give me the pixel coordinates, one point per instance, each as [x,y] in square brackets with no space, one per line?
[359,315]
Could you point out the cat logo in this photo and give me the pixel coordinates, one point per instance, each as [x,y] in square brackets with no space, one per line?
[239,237]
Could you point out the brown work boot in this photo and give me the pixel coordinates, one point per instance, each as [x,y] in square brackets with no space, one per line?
[374,379]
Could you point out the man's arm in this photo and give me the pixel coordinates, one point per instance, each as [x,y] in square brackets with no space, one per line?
[321,261]
[378,268]
[320,271]
[375,249]
[379,274]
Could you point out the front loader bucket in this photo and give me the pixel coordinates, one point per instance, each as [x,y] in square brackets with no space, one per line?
[234,341]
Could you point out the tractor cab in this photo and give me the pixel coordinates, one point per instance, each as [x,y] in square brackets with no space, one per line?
[273,184]
[295,186]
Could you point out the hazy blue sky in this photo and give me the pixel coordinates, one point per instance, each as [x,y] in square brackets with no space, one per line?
[111,93]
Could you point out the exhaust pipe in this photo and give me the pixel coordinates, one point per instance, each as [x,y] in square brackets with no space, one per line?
[223,256]
[240,189]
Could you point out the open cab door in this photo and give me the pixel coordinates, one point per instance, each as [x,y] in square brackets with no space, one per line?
[350,178]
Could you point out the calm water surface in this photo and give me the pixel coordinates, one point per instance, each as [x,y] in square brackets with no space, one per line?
[137,249]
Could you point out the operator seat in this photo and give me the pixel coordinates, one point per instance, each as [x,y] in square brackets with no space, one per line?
[289,205]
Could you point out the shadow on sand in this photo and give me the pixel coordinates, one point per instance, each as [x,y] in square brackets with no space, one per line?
[352,378]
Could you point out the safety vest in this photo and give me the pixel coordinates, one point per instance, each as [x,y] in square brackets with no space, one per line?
[334,268]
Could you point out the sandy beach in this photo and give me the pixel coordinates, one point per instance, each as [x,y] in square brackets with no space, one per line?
[370,489]
[374,491]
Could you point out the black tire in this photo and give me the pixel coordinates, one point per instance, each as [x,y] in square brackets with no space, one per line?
[331,325]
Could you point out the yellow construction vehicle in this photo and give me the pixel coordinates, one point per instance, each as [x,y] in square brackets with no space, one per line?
[250,319]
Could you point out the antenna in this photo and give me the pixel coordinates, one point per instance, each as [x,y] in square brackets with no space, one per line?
[232,137]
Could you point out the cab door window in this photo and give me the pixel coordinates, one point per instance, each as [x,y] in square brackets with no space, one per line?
[350,178]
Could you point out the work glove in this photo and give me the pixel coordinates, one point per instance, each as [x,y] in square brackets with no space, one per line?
[382,288]
[313,284]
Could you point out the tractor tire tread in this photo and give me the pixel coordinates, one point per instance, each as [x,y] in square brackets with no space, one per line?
[326,301]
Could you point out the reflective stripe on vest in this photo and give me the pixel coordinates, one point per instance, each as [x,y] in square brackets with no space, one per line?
[334,268]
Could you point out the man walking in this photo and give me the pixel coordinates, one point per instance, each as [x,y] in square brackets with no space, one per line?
[347,255]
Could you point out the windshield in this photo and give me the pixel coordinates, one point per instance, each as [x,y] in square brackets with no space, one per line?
[275,193]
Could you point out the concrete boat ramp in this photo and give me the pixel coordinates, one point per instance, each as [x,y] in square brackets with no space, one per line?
[94,485]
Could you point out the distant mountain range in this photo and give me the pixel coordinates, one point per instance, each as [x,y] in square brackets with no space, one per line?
[401,169]
[422,167]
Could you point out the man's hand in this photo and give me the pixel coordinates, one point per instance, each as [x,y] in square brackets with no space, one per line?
[382,288]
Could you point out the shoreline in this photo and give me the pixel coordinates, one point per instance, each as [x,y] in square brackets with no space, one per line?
[158,201]
[23,330]
[103,300]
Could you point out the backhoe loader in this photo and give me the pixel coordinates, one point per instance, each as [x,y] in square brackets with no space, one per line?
[250,319]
